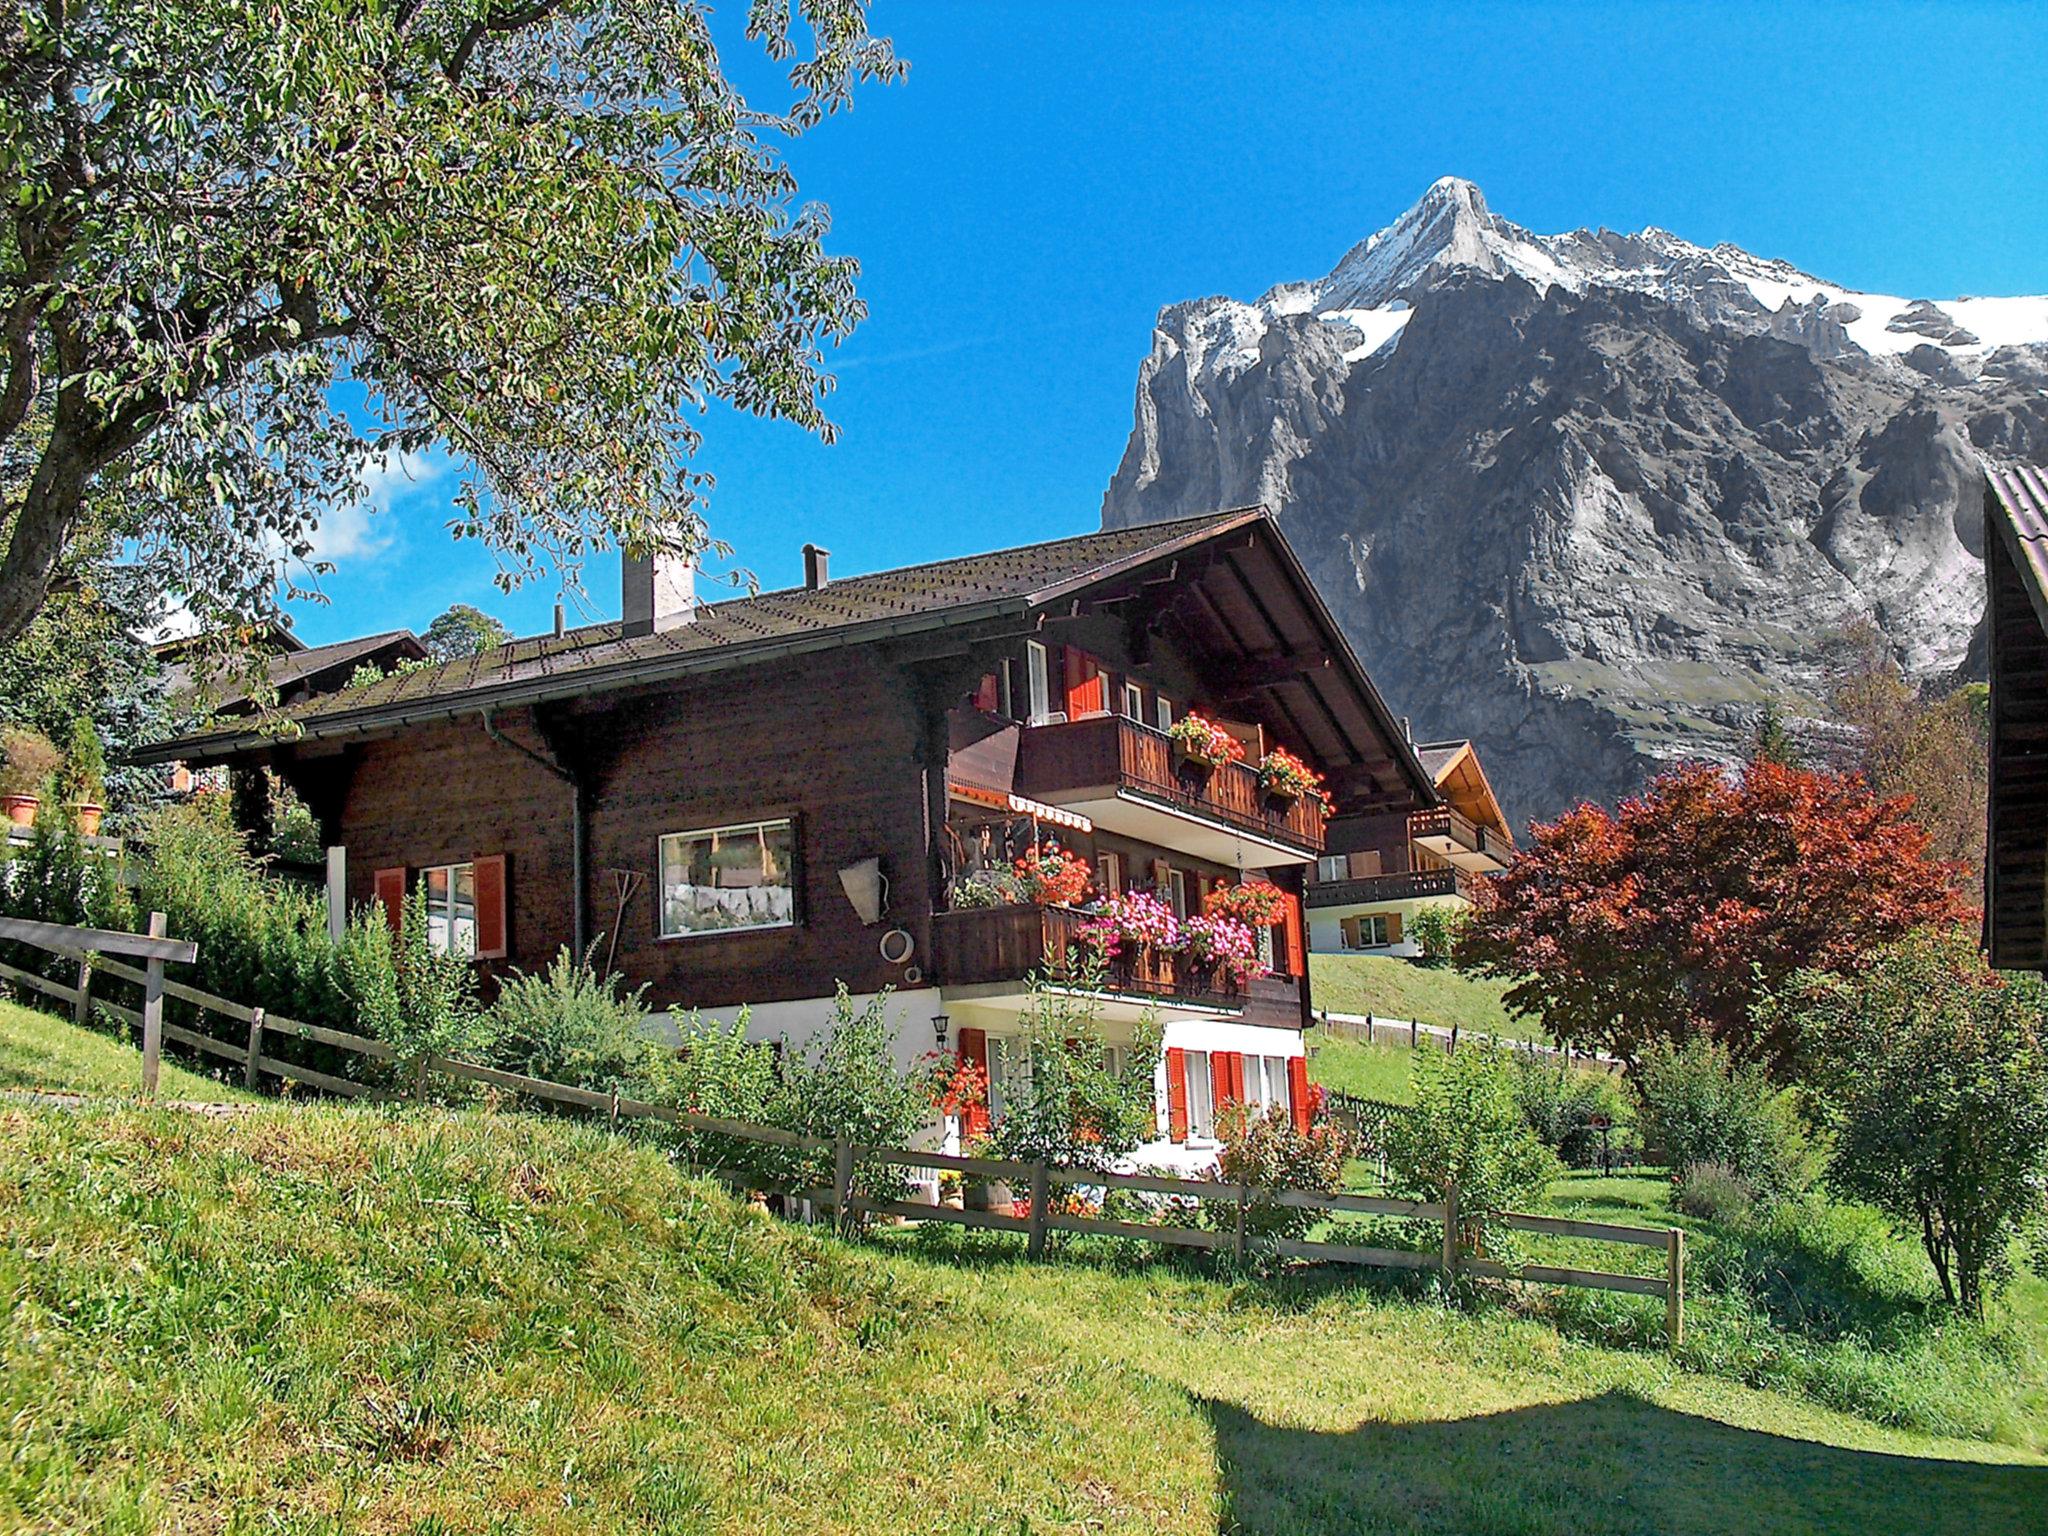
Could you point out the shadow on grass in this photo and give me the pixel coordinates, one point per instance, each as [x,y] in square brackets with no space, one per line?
[1601,1466]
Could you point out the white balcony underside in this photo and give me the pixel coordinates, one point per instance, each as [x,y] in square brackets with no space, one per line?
[1149,821]
[1444,846]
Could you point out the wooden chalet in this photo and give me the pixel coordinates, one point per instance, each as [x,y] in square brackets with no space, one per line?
[749,802]
[2016,582]
[1380,869]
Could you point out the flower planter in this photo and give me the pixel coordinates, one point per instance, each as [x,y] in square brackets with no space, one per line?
[88,818]
[1281,801]
[21,809]
[992,1195]
[1190,769]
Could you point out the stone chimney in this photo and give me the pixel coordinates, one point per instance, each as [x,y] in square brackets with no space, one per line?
[816,573]
[657,594]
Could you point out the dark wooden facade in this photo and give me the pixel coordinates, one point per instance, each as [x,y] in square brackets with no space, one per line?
[859,742]
[2016,853]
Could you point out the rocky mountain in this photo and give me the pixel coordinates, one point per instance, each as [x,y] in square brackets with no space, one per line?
[1592,498]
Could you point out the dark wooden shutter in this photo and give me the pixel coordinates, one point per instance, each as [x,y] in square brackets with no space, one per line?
[493,924]
[390,890]
[1297,1091]
[1176,1094]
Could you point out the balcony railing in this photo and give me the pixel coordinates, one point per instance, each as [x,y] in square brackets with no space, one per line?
[1444,823]
[980,945]
[1408,885]
[1112,752]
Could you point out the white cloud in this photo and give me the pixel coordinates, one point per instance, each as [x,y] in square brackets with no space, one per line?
[363,530]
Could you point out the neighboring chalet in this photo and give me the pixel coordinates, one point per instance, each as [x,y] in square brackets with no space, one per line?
[1380,869]
[752,801]
[294,669]
[2016,582]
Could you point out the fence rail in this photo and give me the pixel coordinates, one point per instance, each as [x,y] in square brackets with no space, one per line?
[845,1198]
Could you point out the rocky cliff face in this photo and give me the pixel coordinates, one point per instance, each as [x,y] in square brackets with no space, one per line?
[1592,498]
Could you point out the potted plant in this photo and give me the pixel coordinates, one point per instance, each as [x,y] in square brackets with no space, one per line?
[28,758]
[992,1195]
[1201,746]
[1285,778]
[950,1186]
[1052,877]
[83,779]
[1218,946]
[1255,903]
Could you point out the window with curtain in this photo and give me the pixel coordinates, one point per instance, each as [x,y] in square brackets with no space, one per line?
[728,879]
[451,908]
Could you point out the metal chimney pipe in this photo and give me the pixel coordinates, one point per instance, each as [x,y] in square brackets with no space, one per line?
[816,572]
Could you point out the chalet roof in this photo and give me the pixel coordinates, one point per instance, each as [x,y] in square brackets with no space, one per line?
[1437,756]
[1292,651]
[297,665]
[1455,769]
[2021,492]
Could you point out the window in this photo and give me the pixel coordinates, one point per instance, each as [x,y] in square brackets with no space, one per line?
[1109,873]
[1134,701]
[1201,1100]
[1332,868]
[451,908]
[1177,892]
[1037,680]
[1006,693]
[1374,931]
[1265,1082]
[1163,710]
[728,879]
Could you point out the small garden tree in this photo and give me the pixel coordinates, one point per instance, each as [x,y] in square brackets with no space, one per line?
[1671,916]
[1467,1129]
[1937,1079]
[1065,1100]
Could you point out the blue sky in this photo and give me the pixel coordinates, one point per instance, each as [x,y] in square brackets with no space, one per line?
[1049,176]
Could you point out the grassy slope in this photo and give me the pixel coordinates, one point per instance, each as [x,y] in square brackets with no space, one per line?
[1364,1071]
[43,1052]
[1399,989]
[309,1320]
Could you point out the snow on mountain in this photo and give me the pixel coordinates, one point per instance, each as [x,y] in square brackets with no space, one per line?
[1593,496]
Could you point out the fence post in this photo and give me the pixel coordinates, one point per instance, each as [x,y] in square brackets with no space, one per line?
[255,1048]
[842,1184]
[420,1069]
[1450,1230]
[1452,1048]
[1041,1197]
[1244,1195]
[1414,1034]
[1674,1287]
[153,1010]
[81,1006]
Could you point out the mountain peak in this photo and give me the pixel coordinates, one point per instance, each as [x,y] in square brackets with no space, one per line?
[1449,226]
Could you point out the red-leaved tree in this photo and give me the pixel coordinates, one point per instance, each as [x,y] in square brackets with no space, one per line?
[1673,915]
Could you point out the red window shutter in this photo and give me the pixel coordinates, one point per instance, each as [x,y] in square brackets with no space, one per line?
[1297,1091]
[1297,941]
[1228,1070]
[985,694]
[1176,1094]
[974,1052]
[390,889]
[1085,699]
[492,925]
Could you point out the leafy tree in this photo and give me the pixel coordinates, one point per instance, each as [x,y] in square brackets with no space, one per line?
[1063,1100]
[1437,929]
[543,233]
[1937,1079]
[1672,915]
[1934,748]
[1772,739]
[463,631]
[1467,1128]
[1707,1110]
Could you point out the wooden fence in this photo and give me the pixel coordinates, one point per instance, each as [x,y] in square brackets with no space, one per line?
[844,1197]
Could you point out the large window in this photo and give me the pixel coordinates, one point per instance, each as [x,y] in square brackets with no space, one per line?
[1201,1097]
[1265,1082]
[1332,867]
[451,908]
[728,879]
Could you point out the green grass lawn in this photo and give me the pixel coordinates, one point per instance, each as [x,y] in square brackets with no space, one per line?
[43,1052]
[1400,989]
[1364,1071]
[317,1320]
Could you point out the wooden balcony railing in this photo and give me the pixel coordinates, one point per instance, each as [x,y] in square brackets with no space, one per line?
[978,945]
[1442,821]
[1407,885]
[1111,752]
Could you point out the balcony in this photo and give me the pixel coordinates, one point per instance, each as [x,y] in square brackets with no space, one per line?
[1122,776]
[1408,885]
[988,952]
[1464,843]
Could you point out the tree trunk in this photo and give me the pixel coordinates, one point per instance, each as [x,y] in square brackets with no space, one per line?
[35,544]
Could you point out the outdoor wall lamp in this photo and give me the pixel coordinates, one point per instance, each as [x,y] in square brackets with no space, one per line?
[940,1023]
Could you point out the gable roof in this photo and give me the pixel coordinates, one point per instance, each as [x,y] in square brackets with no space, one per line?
[851,610]
[301,664]
[1459,760]
[2020,491]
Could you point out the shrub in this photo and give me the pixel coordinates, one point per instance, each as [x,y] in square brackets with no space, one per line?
[27,760]
[1063,1102]
[82,780]
[1467,1128]
[1701,1106]
[1436,931]
[570,1025]
[1264,1149]
[1713,1192]
[56,878]
[1937,1080]
[1562,1107]
[717,1071]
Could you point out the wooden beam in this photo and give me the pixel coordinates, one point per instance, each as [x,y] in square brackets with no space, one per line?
[66,940]
[1266,668]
